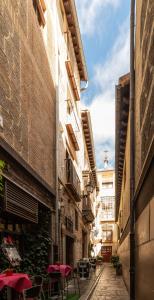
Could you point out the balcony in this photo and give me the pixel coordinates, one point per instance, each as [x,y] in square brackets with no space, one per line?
[72,180]
[73,130]
[87,211]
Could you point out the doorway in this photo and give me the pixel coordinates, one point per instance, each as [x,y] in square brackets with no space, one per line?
[69,250]
[84,244]
[106,252]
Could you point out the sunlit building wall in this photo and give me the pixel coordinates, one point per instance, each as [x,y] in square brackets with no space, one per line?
[105,232]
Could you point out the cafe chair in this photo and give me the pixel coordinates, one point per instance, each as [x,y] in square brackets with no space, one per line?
[73,280]
[38,280]
[76,279]
[55,286]
[32,293]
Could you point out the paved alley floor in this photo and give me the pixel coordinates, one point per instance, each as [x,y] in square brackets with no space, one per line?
[110,286]
[86,285]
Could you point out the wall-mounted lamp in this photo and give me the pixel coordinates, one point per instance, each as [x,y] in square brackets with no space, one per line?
[89,187]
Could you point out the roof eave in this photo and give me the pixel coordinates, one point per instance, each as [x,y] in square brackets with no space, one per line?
[73,24]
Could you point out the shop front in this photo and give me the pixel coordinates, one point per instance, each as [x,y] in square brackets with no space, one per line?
[26,208]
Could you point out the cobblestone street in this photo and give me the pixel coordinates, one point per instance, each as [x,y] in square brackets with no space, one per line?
[110,286]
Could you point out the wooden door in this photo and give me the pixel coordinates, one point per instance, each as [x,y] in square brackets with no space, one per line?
[106,252]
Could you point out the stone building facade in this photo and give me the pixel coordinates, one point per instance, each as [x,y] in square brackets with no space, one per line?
[42,137]
[90,184]
[27,88]
[27,120]
[144,156]
[105,230]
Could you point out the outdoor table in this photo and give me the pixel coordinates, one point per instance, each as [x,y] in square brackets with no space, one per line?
[65,270]
[16,281]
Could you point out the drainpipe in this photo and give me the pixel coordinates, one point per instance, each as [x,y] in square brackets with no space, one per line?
[132,152]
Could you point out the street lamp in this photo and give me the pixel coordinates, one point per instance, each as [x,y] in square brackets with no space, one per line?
[89,187]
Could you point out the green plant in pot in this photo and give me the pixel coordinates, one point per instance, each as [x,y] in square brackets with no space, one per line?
[99,258]
[114,260]
[119,268]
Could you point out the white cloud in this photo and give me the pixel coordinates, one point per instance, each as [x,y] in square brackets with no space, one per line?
[102,106]
[90,11]
[117,63]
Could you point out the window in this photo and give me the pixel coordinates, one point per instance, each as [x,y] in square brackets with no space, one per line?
[107,185]
[108,208]
[107,236]
[76,220]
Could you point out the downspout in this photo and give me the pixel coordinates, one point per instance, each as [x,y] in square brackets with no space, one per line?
[132,152]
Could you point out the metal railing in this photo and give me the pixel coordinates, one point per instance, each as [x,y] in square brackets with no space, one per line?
[87,209]
[72,179]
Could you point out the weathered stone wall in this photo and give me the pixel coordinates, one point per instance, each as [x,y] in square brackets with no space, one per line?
[123,252]
[27,93]
[144,88]
[69,208]
[144,117]
[144,140]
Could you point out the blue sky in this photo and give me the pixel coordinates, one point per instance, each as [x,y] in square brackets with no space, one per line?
[104,26]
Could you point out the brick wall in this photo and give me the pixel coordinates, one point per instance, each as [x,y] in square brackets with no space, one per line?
[27,93]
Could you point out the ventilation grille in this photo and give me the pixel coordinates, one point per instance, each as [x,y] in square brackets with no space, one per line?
[20,203]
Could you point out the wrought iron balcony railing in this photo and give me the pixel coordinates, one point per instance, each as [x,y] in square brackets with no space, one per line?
[72,180]
[87,210]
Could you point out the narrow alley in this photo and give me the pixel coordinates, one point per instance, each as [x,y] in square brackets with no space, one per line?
[110,286]
[76,150]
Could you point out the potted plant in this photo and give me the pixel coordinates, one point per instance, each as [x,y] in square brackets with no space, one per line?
[118,268]
[114,260]
[99,259]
